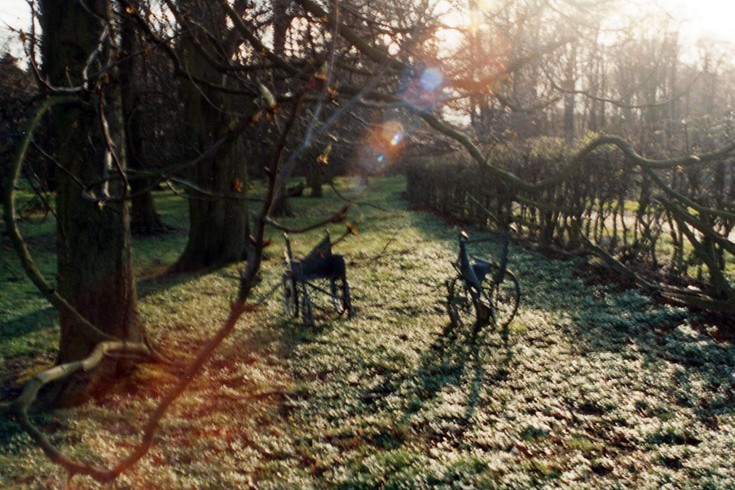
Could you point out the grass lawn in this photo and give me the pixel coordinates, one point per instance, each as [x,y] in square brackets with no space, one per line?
[591,387]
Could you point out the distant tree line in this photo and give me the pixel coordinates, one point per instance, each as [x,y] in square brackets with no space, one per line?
[17,89]
[671,218]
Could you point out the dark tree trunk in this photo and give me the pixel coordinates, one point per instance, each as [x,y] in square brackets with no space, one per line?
[94,250]
[218,224]
[144,219]
[281,206]
[218,227]
[281,23]
[315,181]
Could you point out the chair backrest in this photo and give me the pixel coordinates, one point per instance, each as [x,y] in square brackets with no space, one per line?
[322,251]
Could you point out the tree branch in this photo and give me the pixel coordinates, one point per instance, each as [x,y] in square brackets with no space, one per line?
[19,407]
[21,247]
[337,217]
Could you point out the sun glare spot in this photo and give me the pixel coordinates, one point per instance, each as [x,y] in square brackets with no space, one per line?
[382,146]
[431,79]
[472,24]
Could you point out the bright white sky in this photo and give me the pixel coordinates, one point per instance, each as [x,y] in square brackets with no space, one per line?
[701,18]
[16,14]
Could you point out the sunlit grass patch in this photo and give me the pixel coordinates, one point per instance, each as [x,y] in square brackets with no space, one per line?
[591,386]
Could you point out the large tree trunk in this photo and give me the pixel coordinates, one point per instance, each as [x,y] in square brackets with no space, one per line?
[218,224]
[94,247]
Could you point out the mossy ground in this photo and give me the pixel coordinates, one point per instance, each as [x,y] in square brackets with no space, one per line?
[590,387]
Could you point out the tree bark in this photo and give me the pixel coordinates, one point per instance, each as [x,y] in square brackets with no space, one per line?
[218,224]
[94,247]
[144,219]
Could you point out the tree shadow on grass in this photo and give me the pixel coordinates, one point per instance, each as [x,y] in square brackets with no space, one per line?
[664,358]
[44,318]
[163,279]
[24,342]
[457,360]
[22,326]
[701,378]
[481,379]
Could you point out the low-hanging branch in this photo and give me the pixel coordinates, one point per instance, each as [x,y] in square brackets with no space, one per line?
[106,344]
[705,252]
[702,227]
[19,407]
[239,306]
[719,213]
[577,160]
[380,56]
[616,265]
[169,172]
[723,300]
[337,217]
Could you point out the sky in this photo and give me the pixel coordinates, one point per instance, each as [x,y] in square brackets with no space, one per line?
[16,14]
[700,18]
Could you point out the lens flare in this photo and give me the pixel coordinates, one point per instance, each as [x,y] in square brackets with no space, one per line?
[422,87]
[431,79]
[381,146]
[421,91]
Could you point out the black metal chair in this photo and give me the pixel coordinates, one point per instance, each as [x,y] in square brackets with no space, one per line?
[316,284]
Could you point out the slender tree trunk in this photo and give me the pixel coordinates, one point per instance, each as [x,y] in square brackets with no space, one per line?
[281,23]
[569,98]
[315,179]
[94,246]
[144,219]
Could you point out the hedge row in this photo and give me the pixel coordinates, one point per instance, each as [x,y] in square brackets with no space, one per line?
[608,203]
